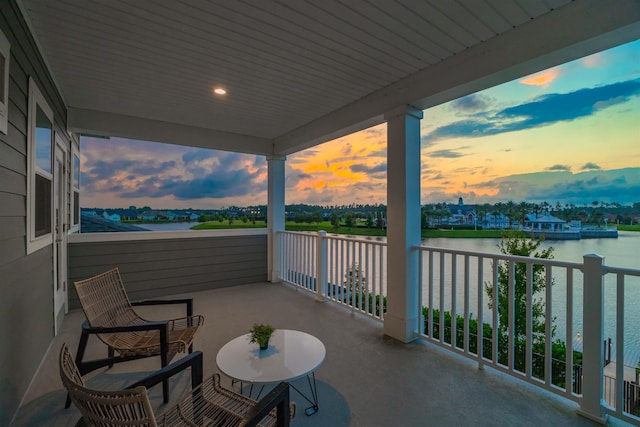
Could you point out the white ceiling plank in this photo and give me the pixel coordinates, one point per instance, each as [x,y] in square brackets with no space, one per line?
[440,22]
[354,25]
[538,7]
[408,39]
[306,28]
[486,14]
[511,11]
[457,13]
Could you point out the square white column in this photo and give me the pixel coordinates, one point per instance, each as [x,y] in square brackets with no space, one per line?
[275,214]
[403,222]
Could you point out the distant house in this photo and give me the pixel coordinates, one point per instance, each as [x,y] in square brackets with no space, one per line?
[128,214]
[153,215]
[96,224]
[172,216]
[111,216]
[461,213]
[545,221]
[194,217]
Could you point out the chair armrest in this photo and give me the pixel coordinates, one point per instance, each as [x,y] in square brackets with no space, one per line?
[276,398]
[193,361]
[162,326]
[187,301]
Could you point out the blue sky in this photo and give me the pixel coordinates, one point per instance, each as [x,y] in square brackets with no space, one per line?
[570,134]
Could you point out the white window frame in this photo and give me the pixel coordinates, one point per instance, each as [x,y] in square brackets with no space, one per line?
[74,228]
[37,99]
[5,51]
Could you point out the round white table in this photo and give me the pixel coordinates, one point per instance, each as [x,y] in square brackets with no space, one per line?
[291,355]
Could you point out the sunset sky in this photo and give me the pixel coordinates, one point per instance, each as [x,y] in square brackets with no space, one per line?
[570,134]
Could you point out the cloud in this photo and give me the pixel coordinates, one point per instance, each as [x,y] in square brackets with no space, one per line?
[375,132]
[542,111]
[558,168]
[198,155]
[449,154]
[618,185]
[592,61]
[216,185]
[471,103]
[544,78]
[590,166]
[144,170]
[380,167]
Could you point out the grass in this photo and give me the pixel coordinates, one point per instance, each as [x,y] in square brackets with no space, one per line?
[224,225]
[628,227]
[357,231]
[463,233]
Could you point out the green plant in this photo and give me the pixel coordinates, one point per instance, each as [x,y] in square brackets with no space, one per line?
[261,333]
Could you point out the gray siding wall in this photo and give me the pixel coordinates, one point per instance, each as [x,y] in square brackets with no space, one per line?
[26,282]
[157,268]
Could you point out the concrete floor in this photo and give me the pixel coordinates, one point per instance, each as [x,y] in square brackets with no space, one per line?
[366,379]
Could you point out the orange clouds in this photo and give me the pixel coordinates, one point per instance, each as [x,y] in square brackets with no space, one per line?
[591,61]
[543,79]
[342,171]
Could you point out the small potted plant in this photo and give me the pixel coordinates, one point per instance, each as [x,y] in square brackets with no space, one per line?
[260,334]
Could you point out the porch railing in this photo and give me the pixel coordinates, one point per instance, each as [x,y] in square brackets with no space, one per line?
[458,315]
[344,270]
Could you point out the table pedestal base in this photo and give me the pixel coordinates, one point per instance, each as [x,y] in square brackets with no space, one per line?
[314,395]
[311,380]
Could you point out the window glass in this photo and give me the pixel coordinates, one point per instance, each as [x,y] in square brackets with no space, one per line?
[76,172]
[3,60]
[43,206]
[43,138]
[76,207]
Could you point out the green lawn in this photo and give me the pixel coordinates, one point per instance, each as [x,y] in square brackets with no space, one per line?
[224,225]
[463,233]
[358,231]
[628,227]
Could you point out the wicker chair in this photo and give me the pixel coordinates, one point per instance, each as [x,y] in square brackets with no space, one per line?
[110,316]
[208,403]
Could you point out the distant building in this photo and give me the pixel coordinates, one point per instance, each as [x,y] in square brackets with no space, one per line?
[543,222]
[97,224]
[111,216]
[461,213]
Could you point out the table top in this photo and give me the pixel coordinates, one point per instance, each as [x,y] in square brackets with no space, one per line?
[291,355]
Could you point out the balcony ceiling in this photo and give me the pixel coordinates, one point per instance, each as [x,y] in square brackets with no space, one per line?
[297,73]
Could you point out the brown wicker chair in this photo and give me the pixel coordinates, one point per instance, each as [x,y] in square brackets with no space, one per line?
[110,316]
[208,403]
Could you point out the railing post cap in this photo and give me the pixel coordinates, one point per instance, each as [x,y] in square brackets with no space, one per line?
[593,256]
[322,233]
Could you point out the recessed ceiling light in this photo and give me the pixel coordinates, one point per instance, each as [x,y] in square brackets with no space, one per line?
[220,91]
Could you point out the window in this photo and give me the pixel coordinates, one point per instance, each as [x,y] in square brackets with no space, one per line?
[40,178]
[4,81]
[75,202]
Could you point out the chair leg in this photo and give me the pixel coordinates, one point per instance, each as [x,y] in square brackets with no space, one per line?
[110,354]
[82,346]
[164,355]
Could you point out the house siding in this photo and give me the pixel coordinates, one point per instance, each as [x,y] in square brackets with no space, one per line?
[26,281]
[157,268]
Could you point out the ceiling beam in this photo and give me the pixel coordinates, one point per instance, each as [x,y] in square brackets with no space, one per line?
[575,30]
[101,123]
